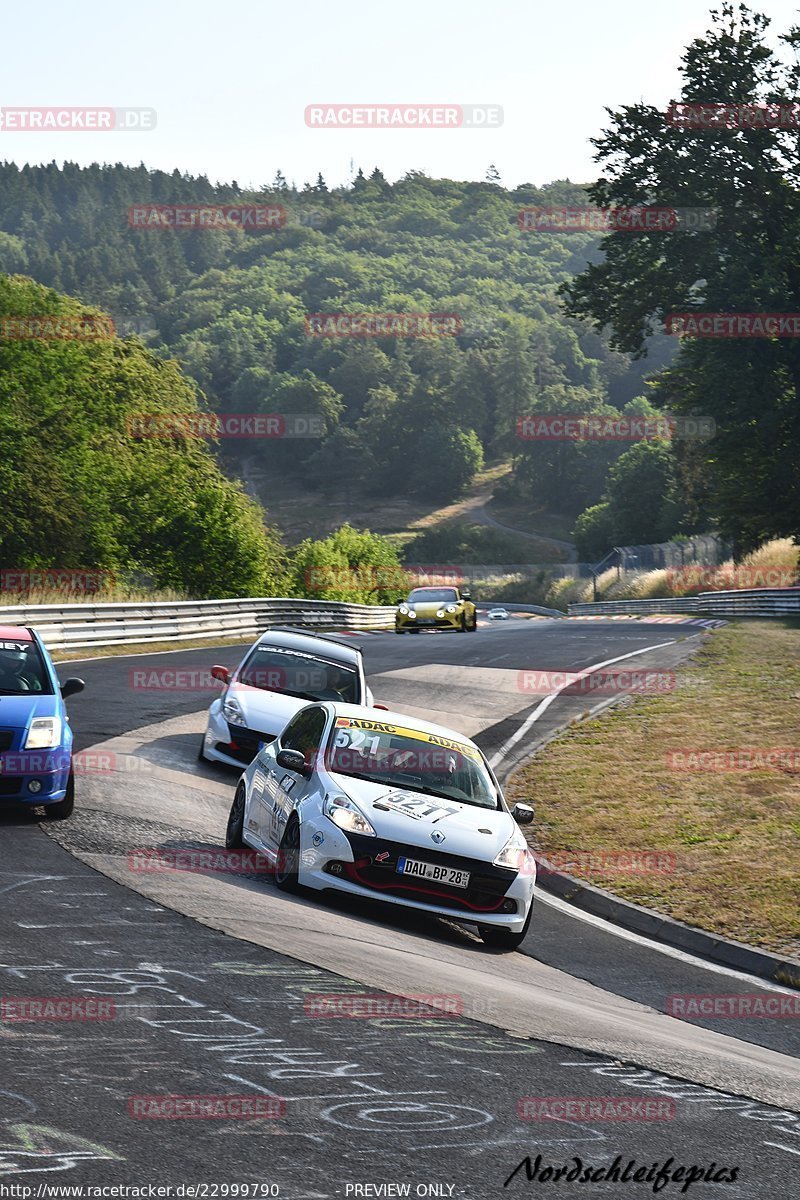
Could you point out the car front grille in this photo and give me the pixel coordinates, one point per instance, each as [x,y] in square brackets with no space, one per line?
[244,743]
[487,886]
[6,739]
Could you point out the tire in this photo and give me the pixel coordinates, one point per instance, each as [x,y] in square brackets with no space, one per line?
[64,808]
[234,833]
[288,864]
[504,939]
[463,626]
[399,630]
[474,624]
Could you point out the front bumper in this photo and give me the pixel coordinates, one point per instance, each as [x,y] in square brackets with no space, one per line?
[448,621]
[234,745]
[356,869]
[49,769]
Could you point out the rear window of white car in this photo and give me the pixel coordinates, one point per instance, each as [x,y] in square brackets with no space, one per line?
[272,669]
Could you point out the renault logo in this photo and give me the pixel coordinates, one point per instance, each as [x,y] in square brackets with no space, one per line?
[437,836]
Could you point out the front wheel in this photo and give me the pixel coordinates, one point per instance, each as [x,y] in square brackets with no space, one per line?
[63,808]
[474,624]
[463,626]
[287,868]
[399,630]
[234,834]
[503,939]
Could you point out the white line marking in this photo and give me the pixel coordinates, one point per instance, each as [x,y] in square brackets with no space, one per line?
[639,939]
[497,758]
[780,1146]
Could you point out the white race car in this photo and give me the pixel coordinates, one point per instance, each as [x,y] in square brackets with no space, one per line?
[388,807]
[498,614]
[280,673]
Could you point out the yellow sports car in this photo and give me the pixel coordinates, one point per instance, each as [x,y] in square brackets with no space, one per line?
[436,608]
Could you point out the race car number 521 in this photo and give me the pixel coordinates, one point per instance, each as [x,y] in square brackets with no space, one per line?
[448,875]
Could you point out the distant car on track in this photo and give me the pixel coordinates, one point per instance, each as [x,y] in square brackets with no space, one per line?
[35,735]
[388,807]
[436,608]
[497,614]
[280,674]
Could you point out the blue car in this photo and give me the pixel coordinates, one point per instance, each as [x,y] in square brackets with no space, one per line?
[35,736]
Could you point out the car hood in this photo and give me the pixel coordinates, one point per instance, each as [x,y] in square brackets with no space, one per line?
[468,831]
[265,711]
[16,711]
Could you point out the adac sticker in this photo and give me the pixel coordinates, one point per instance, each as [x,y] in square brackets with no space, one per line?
[430,739]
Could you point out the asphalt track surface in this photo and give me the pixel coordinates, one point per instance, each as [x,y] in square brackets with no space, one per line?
[426,1102]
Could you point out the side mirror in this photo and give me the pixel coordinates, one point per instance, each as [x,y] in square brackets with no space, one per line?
[292,760]
[70,687]
[221,673]
[522,814]
[385,707]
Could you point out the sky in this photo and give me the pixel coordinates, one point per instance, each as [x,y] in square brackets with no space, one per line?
[230,82]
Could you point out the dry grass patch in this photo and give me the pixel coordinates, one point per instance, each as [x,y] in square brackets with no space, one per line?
[611,785]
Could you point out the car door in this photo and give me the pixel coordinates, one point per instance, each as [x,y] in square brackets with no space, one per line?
[287,788]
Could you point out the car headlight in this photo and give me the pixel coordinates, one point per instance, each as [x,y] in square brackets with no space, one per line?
[44,734]
[411,612]
[231,711]
[403,609]
[439,613]
[451,608]
[342,811]
[514,854]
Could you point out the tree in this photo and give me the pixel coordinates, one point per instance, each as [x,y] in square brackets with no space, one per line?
[750,262]
[642,503]
[445,462]
[594,533]
[127,487]
[516,386]
[355,567]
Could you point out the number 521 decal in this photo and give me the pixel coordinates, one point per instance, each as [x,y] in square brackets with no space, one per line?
[417,806]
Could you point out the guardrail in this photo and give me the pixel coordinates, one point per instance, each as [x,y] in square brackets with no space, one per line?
[537,609]
[755,602]
[82,625]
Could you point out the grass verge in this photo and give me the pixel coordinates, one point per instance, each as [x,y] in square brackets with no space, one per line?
[611,785]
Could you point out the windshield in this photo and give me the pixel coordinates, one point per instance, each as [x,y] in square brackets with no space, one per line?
[22,669]
[443,595]
[408,758]
[270,669]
